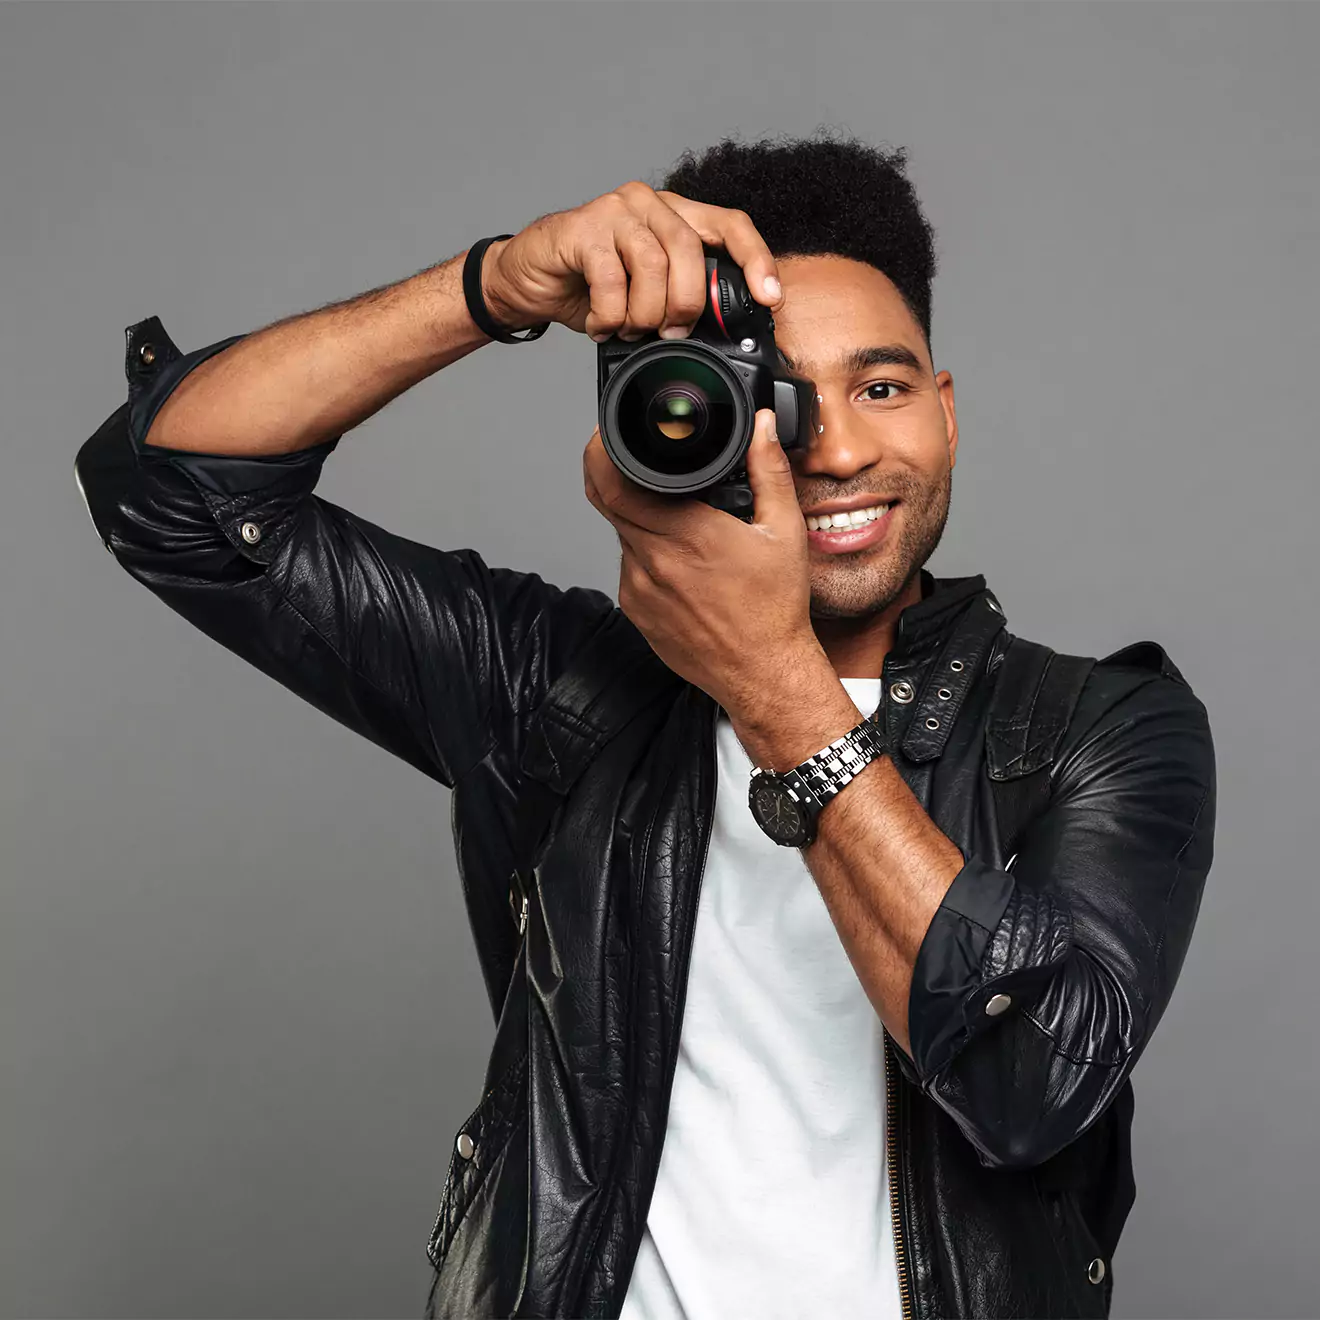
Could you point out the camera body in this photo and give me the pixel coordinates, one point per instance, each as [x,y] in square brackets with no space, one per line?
[677,415]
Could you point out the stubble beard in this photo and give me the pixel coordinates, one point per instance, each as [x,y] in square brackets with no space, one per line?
[860,585]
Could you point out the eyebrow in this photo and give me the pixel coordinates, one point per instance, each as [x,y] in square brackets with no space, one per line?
[859,359]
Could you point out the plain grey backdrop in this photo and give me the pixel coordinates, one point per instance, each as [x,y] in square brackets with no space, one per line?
[242,1017]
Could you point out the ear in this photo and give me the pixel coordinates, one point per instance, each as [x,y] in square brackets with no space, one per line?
[944,383]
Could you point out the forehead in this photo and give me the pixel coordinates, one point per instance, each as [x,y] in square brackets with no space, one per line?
[833,305]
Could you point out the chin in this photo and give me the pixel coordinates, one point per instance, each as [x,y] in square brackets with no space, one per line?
[858,598]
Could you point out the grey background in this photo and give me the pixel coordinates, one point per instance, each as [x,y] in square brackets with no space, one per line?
[241,1013]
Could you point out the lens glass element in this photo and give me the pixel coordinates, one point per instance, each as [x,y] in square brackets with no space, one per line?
[676,415]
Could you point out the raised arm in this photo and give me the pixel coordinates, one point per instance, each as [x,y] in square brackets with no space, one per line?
[201,483]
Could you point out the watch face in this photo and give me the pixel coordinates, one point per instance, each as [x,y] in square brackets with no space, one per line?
[776,813]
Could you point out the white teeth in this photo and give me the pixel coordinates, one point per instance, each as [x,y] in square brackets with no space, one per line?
[854,518]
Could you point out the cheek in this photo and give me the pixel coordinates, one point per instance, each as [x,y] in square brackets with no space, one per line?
[926,438]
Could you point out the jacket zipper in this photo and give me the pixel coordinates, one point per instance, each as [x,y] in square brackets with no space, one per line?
[891,1164]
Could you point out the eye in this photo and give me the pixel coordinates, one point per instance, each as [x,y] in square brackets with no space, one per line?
[895,390]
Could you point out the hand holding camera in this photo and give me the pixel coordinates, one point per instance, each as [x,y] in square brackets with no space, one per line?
[636,270]
[627,263]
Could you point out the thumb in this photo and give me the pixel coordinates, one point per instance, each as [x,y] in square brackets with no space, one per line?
[769,473]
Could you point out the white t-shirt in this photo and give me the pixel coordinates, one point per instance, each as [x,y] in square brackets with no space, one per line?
[772,1196]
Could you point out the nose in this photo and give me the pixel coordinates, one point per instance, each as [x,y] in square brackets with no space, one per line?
[840,446]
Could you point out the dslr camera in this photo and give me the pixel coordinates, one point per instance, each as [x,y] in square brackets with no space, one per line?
[677,415]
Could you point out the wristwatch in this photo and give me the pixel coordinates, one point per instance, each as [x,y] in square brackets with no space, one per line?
[786,806]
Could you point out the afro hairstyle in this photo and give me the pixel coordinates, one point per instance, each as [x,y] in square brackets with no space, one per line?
[830,194]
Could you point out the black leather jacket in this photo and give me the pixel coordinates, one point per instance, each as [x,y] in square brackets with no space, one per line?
[1010,1171]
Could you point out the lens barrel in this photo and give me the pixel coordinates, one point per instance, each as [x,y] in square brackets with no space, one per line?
[675,417]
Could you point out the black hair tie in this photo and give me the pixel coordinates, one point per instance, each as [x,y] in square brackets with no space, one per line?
[476,301]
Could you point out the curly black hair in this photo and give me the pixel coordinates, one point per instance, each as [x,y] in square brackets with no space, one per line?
[827,194]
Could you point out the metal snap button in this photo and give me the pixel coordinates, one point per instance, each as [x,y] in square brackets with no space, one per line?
[902,691]
[466,1146]
[956,666]
[250,532]
[994,604]
[147,353]
[996,1004]
[1095,1271]
[944,694]
[932,722]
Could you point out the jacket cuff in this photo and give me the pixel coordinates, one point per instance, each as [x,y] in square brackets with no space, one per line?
[251,497]
[991,948]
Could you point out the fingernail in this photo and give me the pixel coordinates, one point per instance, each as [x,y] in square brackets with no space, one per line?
[772,286]
[674,332]
[601,336]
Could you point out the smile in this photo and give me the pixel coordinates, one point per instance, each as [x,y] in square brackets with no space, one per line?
[861,529]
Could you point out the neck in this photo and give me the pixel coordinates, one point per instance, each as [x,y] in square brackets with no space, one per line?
[857,647]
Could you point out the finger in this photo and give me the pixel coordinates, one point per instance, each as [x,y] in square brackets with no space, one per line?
[621,500]
[607,281]
[774,491]
[648,276]
[734,231]
[686,295]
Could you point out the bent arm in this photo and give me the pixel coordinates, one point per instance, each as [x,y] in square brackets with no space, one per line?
[431,654]
[302,380]
[1085,936]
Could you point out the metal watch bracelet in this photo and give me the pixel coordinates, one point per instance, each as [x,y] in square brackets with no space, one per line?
[820,777]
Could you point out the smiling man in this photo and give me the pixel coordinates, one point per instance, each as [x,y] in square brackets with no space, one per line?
[823,994]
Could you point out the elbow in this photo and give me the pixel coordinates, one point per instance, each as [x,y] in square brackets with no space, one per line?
[1019,1146]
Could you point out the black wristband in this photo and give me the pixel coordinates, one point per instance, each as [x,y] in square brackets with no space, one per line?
[476,301]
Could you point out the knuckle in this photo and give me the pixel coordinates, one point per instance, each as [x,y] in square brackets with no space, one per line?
[687,308]
[652,258]
[608,278]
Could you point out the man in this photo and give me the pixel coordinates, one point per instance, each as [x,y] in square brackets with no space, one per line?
[879,1067]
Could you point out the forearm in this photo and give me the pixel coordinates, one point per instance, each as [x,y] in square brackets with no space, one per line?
[302,380]
[1021,998]
[881,864]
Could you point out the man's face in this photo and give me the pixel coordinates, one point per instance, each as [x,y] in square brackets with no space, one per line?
[890,429]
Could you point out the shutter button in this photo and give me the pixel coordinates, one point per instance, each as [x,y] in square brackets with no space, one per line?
[996,1004]
[466,1146]
[1095,1271]
[251,532]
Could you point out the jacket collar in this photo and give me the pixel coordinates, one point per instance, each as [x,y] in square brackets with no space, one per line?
[941,646]
[943,602]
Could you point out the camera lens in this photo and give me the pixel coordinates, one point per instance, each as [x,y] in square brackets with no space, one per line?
[677,412]
[676,415]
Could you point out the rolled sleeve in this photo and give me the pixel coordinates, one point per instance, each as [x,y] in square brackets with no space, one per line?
[1036,990]
[432,654]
